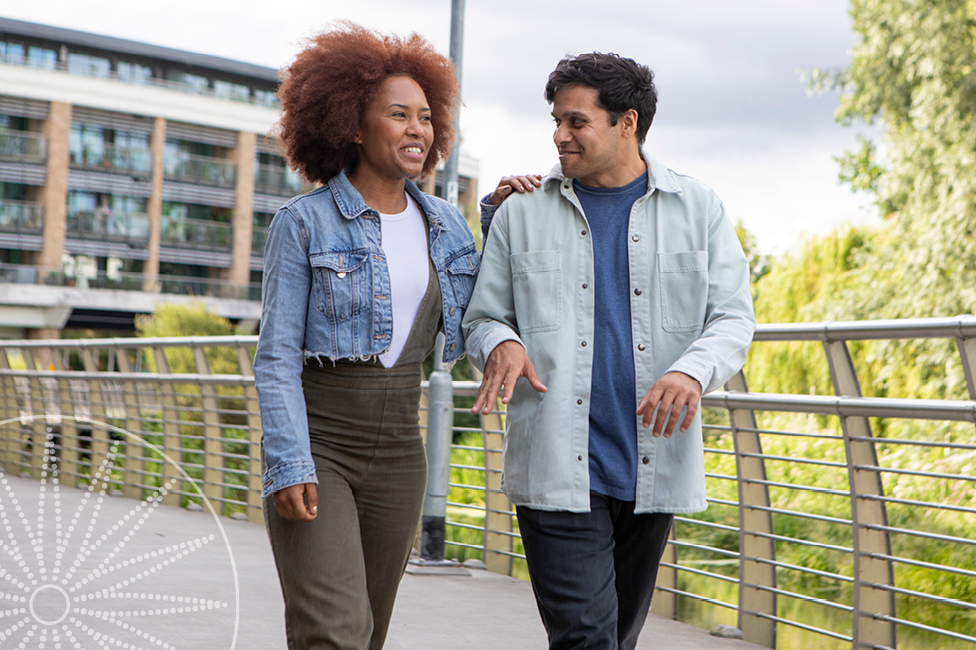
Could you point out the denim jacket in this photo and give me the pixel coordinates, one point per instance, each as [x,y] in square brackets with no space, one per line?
[326,295]
[691,311]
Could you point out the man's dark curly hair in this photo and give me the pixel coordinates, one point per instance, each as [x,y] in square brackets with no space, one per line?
[325,92]
[622,84]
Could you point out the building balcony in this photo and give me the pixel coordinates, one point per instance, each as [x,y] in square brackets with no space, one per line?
[278,181]
[108,226]
[208,288]
[22,146]
[25,217]
[199,234]
[259,238]
[201,170]
[112,159]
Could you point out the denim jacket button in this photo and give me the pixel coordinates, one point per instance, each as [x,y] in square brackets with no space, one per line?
[341,274]
[453,346]
[453,311]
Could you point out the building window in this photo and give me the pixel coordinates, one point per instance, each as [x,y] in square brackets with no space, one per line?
[265,97]
[133,72]
[92,66]
[12,52]
[196,82]
[228,90]
[41,57]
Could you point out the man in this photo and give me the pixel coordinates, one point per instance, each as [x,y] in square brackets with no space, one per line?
[608,299]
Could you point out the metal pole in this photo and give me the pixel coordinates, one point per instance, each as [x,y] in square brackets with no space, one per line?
[457,46]
[440,427]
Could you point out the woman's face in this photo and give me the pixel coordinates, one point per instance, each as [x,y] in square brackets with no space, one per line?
[396,133]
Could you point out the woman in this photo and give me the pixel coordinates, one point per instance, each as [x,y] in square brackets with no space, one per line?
[360,274]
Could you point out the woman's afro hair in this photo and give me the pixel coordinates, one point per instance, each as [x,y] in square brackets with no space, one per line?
[325,92]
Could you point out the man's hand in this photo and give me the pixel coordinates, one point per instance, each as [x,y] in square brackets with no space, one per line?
[520,184]
[674,391]
[297,502]
[506,363]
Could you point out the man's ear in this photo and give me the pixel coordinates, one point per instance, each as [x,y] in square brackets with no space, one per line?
[628,123]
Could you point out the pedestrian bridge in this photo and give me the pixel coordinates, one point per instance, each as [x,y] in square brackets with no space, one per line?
[835,520]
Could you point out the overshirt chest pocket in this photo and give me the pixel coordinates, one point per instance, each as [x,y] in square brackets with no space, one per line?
[684,290]
[537,287]
[462,271]
[341,282]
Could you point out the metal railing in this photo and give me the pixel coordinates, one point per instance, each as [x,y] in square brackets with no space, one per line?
[278,181]
[112,158]
[200,170]
[834,521]
[22,146]
[24,217]
[201,234]
[107,225]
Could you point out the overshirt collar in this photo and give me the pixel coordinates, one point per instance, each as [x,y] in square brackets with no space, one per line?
[659,177]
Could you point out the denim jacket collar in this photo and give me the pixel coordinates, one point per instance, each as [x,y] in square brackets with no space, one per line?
[352,205]
[659,177]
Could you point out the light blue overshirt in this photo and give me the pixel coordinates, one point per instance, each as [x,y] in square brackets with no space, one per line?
[326,296]
[691,311]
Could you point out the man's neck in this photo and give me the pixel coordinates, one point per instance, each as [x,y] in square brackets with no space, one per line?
[632,168]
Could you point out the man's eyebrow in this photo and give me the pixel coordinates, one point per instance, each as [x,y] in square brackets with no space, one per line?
[571,114]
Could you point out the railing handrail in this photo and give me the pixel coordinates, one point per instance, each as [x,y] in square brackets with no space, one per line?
[908,328]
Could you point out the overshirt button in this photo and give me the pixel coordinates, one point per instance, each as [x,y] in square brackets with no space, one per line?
[454,346]
[641,347]
[584,285]
[645,460]
[583,232]
[579,401]
[453,311]
[583,344]
[637,292]
[636,238]
[579,458]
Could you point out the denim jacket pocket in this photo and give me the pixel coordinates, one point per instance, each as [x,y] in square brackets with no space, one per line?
[684,290]
[462,271]
[341,283]
[537,286]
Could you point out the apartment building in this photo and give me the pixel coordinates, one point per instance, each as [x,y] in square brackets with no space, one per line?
[133,174]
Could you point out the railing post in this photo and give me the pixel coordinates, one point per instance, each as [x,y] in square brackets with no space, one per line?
[101,442]
[172,446]
[255,485]
[134,449]
[967,352]
[36,460]
[213,444]
[9,409]
[498,509]
[440,427]
[753,573]
[870,604]
[67,455]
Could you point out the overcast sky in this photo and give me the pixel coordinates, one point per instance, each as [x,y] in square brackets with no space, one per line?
[732,110]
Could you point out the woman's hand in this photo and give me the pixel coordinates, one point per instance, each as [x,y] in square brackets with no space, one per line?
[297,502]
[520,184]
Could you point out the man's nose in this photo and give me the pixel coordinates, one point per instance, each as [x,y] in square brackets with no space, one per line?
[561,135]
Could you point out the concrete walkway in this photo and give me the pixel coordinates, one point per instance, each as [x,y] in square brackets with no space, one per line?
[80,567]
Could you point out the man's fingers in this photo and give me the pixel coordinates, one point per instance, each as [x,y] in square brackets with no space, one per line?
[533,378]
[692,409]
[662,414]
[510,378]
[487,392]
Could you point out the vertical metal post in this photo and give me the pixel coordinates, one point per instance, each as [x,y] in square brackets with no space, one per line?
[440,426]
[457,46]
[872,606]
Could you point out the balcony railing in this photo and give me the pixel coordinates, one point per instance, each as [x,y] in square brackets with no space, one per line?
[259,238]
[25,217]
[200,234]
[843,528]
[113,159]
[278,181]
[193,286]
[22,146]
[107,225]
[201,170]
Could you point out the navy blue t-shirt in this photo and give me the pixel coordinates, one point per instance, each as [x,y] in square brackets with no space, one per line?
[613,422]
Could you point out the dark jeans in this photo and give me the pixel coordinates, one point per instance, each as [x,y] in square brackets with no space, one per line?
[593,573]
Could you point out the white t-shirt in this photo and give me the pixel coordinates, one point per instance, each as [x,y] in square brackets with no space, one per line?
[405,245]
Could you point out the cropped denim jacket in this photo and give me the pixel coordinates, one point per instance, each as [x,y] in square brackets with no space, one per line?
[326,295]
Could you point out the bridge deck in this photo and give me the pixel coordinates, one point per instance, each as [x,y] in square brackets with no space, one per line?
[136,558]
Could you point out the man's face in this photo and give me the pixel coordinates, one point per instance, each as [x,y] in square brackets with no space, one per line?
[589,148]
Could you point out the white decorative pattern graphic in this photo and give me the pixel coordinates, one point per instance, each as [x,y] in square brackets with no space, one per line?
[80,569]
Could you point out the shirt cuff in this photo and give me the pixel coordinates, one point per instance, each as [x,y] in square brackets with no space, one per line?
[698,374]
[485,339]
[287,474]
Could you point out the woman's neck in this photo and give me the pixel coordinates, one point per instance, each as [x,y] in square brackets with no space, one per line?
[385,195]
